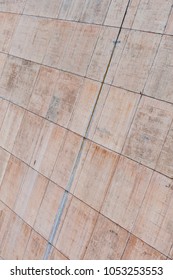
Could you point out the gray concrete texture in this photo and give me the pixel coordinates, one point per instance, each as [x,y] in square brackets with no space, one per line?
[86,129]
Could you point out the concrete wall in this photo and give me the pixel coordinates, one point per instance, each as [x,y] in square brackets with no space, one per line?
[86,129]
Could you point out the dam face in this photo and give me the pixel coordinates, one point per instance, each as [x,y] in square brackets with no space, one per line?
[86,129]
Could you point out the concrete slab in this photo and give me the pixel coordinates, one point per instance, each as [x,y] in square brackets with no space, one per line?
[107,242]
[148,131]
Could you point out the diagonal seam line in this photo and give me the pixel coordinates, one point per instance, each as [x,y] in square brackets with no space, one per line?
[69,184]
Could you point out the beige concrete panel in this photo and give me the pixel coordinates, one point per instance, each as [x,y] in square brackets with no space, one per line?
[66,159]
[126,193]
[138,250]
[148,131]
[131,13]
[4,157]
[116,13]
[47,148]
[13,178]
[80,164]
[171,253]
[3,109]
[59,42]
[107,242]
[165,161]
[77,58]
[10,126]
[95,176]
[16,238]
[98,110]
[5,214]
[44,8]
[18,79]
[3,58]
[84,106]
[30,196]
[116,114]
[43,91]
[56,255]
[136,60]
[8,23]
[35,247]
[95,11]
[169,27]
[31,38]
[48,210]
[76,230]
[13,6]
[71,10]
[152,15]
[64,97]
[27,137]
[120,44]
[102,53]
[84,10]
[160,82]
[155,221]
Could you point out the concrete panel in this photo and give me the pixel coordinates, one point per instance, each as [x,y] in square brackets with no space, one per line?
[30,196]
[126,193]
[95,176]
[15,240]
[71,10]
[131,12]
[116,12]
[160,82]
[3,109]
[8,23]
[64,97]
[152,15]
[66,159]
[148,132]
[5,214]
[155,223]
[120,45]
[102,53]
[107,242]
[169,27]
[76,230]
[27,137]
[84,106]
[13,178]
[13,6]
[47,148]
[116,114]
[95,11]
[59,42]
[10,126]
[17,80]
[77,58]
[31,38]
[43,90]
[3,58]
[136,60]
[44,8]
[138,250]
[35,247]
[48,210]
[4,157]
[165,161]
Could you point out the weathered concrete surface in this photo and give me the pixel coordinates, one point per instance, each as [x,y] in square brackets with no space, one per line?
[86,129]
